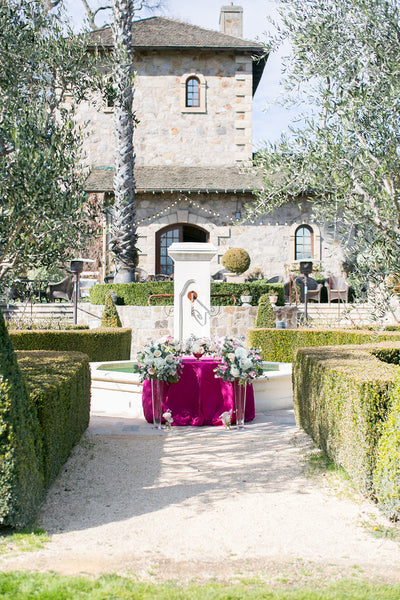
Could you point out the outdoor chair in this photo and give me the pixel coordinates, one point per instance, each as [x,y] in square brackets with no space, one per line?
[61,290]
[313,290]
[276,279]
[338,289]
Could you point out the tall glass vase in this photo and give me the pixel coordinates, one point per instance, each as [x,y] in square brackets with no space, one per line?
[239,393]
[158,391]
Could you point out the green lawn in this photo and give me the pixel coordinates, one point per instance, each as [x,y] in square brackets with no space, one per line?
[22,585]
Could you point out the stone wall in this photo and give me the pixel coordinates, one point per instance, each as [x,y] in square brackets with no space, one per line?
[220,135]
[269,240]
[152,322]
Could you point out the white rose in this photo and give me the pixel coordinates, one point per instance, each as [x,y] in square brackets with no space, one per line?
[235,371]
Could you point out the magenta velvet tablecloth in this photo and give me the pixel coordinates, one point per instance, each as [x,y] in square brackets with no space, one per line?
[198,398]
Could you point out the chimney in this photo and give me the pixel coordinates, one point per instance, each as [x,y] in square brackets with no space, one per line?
[231,20]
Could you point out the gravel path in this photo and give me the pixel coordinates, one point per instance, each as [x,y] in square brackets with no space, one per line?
[196,503]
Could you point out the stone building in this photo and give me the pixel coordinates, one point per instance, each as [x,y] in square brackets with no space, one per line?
[193,100]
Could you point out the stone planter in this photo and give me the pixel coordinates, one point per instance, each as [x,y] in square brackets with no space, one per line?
[246,300]
[234,278]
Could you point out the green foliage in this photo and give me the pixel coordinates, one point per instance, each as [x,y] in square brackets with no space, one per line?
[386,478]
[280,345]
[110,316]
[236,260]
[59,387]
[21,466]
[98,344]
[265,314]
[345,61]
[137,294]
[41,182]
[341,397]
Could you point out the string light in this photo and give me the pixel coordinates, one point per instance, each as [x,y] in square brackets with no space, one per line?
[191,203]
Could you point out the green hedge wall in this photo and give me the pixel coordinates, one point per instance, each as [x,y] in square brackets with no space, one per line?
[21,465]
[386,477]
[99,344]
[59,387]
[280,345]
[137,294]
[341,397]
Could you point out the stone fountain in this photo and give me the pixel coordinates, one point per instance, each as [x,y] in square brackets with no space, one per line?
[191,288]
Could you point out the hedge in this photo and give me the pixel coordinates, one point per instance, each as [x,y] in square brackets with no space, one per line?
[21,465]
[59,387]
[341,395]
[265,314]
[99,344]
[137,294]
[386,477]
[280,345]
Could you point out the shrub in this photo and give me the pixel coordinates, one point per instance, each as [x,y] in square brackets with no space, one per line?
[21,466]
[137,294]
[280,345]
[98,344]
[236,260]
[341,397]
[110,316]
[386,478]
[59,387]
[265,314]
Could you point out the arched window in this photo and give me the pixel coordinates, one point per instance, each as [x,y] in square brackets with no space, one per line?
[303,247]
[192,92]
[175,233]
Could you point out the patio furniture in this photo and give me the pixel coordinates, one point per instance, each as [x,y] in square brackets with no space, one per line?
[276,279]
[313,289]
[61,290]
[338,289]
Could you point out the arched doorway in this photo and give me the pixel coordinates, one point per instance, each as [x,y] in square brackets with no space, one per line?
[179,232]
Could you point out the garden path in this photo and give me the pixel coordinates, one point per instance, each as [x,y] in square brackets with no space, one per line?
[196,503]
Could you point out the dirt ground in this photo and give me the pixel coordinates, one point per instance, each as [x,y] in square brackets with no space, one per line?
[200,503]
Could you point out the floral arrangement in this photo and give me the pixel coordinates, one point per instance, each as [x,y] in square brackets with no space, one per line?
[226,418]
[238,362]
[160,359]
[200,347]
[167,416]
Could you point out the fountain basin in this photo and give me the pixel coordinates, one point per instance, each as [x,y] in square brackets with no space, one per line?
[117,390]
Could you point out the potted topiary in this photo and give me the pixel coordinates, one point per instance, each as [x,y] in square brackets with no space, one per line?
[236,261]
[246,298]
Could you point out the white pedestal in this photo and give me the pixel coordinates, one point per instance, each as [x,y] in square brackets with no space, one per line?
[191,278]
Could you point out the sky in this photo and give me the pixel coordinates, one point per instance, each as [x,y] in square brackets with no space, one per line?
[269,118]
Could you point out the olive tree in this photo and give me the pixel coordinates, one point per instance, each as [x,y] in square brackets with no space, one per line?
[43,214]
[345,156]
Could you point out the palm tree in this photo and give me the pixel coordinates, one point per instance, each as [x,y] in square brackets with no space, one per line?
[123,233]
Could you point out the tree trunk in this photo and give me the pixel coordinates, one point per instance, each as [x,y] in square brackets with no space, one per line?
[124,236]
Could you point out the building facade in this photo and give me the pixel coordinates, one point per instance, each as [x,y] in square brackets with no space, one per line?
[193,97]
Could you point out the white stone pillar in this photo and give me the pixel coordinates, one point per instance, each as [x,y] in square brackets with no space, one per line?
[191,278]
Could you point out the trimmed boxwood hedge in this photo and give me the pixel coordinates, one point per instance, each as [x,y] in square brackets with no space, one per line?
[348,400]
[137,294]
[386,478]
[265,314]
[280,345]
[99,344]
[21,465]
[59,388]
